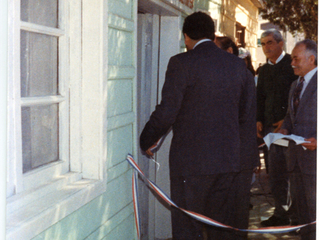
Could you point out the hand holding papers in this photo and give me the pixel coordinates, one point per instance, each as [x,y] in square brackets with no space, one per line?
[311,144]
[275,137]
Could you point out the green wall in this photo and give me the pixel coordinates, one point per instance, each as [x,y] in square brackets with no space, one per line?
[110,216]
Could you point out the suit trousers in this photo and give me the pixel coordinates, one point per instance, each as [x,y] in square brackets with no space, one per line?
[222,197]
[303,187]
[278,178]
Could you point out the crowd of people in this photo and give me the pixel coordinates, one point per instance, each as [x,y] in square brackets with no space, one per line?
[217,112]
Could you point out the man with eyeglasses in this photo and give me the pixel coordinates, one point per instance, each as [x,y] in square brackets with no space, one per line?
[274,81]
[301,120]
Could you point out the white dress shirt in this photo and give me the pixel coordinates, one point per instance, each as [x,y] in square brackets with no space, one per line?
[201,41]
[279,58]
[307,79]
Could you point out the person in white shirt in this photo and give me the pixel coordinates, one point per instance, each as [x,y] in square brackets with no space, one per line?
[301,120]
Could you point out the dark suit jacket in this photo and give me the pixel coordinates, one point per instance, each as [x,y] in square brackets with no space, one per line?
[208,99]
[273,87]
[305,125]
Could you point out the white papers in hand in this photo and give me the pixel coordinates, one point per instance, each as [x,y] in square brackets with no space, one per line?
[275,137]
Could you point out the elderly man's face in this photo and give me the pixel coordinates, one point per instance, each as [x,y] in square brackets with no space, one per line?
[302,62]
[271,48]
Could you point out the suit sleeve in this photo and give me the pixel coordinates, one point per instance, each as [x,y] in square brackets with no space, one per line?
[166,112]
[247,124]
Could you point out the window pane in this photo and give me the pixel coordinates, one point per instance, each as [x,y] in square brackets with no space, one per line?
[39,64]
[40,136]
[40,12]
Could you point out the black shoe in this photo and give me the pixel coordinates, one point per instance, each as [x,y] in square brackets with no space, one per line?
[275,221]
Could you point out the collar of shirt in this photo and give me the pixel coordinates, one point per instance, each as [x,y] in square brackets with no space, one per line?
[307,79]
[279,58]
[201,41]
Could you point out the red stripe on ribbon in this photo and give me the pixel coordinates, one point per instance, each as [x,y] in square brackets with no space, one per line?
[198,216]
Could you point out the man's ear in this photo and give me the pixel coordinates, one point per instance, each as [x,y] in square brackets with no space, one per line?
[281,44]
[312,59]
[186,37]
[187,41]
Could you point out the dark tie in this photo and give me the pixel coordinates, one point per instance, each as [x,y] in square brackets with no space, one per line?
[296,95]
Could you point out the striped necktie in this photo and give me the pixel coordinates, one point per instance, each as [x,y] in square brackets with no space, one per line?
[296,95]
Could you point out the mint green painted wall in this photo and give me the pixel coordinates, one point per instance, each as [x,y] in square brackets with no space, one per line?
[120,95]
[110,216]
[102,218]
[120,47]
[119,144]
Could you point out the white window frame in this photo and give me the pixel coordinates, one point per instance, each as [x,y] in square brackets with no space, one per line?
[48,172]
[33,208]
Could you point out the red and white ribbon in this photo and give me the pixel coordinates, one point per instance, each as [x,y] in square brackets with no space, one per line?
[135,202]
[197,216]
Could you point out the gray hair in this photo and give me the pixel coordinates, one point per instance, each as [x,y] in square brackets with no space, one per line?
[311,48]
[275,34]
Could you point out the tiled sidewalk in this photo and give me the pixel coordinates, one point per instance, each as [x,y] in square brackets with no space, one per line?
[262,202]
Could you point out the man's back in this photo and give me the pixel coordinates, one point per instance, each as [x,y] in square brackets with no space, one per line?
[202,99]
[209,101]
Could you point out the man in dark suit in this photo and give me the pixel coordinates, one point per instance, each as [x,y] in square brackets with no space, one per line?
[208,99]
[301,120]
[274,81]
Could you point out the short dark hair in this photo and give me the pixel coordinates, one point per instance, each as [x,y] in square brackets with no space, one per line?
[275,34]
[311,48]
[226,42]
[199,25]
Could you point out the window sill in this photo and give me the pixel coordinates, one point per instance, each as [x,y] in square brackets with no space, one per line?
[30,213]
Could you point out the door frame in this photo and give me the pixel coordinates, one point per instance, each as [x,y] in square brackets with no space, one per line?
[158,38]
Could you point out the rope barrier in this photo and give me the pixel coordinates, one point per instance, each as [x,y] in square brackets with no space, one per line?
[197,216]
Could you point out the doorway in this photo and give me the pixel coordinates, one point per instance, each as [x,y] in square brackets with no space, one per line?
[158,38]
[240,35]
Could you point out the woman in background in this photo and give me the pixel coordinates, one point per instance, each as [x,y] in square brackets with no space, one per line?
[226,43]
[246,56]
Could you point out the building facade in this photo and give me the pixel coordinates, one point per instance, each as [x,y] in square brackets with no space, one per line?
[82,78]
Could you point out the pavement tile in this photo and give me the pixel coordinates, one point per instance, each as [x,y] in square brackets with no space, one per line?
[263,206]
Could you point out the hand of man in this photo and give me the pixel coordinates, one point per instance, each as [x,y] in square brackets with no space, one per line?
[277,125]
[149,152]
[312,145]
[259,129]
